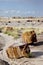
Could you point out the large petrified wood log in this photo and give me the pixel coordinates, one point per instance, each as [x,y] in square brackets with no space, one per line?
[18,51]
[29,37]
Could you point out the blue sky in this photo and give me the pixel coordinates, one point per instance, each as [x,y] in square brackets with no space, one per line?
[21,8]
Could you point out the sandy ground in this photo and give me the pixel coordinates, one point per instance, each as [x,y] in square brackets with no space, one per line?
[37,52]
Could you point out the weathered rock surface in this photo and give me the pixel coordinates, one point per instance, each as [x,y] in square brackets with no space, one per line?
[2,62]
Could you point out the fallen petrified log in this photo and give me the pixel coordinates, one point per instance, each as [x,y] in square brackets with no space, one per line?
[18,51]
[29,37]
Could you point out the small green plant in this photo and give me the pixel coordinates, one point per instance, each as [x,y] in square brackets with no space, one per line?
[30,55]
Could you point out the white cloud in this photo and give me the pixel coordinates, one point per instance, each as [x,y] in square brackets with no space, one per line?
[6,12]
[9,12]
[12,11]
[27,12]
[33,12]
[18,12]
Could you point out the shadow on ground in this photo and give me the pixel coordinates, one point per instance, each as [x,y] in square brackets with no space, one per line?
[37,54]
[38,43]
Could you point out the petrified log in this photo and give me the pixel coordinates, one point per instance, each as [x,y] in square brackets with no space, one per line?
[29,37]
[18,51]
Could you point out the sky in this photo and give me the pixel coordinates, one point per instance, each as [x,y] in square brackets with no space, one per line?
[10,8]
